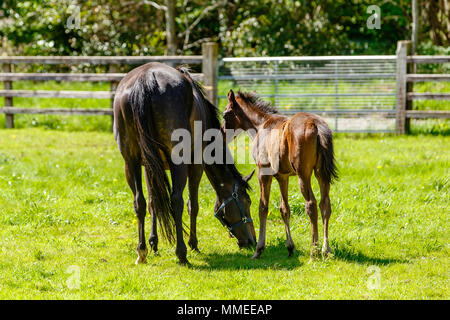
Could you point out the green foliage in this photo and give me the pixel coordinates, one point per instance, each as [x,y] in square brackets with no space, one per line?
[251,27]
[428,48]
[305,27]
[106,27]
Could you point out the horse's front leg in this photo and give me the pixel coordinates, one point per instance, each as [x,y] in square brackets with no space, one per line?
[179,178]
[265,182]
[194,175]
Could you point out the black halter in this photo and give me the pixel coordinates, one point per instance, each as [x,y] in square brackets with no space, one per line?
[235,197]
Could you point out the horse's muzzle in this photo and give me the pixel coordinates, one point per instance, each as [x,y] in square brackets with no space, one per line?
[247,243]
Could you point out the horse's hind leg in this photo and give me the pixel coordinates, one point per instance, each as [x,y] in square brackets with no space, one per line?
[265,182]
[311,210]
[179,179]
[153,239]
[325,209]
[133,173]
[286,211]
[195,175]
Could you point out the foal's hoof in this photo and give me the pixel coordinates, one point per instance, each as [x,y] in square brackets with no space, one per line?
[326,252]
[257,254]
[314,255]
[142,256]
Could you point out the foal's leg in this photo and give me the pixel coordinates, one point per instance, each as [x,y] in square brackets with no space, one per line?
[265,182]
[285,211]
[325,210]
[311,210]
[153,239]
[133,173]
[179,179]
[195,175]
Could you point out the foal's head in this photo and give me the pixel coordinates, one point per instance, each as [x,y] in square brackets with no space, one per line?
[234,117]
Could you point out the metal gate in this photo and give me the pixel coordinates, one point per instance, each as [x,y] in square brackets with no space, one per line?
[353,93]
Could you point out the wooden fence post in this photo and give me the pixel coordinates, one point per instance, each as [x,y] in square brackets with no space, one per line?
[209,69]
[113,68]
[9,118]
[401,123]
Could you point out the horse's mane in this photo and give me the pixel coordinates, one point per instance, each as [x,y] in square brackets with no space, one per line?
[255,100]
[211,111]
[212,115]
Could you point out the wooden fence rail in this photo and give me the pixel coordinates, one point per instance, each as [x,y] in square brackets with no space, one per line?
[405,81]
[208,61]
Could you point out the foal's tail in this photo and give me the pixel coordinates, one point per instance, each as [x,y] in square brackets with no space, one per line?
[160,189]
[327,170]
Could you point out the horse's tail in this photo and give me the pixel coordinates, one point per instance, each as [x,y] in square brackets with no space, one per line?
[327,168]
[159,186]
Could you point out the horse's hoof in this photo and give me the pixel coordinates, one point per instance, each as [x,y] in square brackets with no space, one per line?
[327,255]
[326,252]
[142,256]
[257,255]
[153,242]
[193,245]
[184,262]
[258,252]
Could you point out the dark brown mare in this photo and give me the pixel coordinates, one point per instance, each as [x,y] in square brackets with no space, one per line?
[150,103]
[285,146]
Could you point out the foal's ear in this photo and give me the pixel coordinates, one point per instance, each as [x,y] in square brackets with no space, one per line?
[249,176]
[231,96]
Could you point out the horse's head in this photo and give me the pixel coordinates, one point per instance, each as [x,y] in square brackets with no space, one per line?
[234,117]
[233,212]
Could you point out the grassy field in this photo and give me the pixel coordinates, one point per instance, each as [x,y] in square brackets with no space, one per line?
[66,214]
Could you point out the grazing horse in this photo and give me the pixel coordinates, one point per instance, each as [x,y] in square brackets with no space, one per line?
[285,146]
[151,102]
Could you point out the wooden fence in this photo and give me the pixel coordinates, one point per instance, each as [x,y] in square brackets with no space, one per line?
[406,77]
[208,76]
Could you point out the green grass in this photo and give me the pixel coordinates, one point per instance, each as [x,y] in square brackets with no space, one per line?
[64,202]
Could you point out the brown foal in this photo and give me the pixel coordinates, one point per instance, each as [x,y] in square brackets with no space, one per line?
[284,146]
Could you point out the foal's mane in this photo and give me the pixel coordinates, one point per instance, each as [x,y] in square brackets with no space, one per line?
[212,115]
[253,99]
